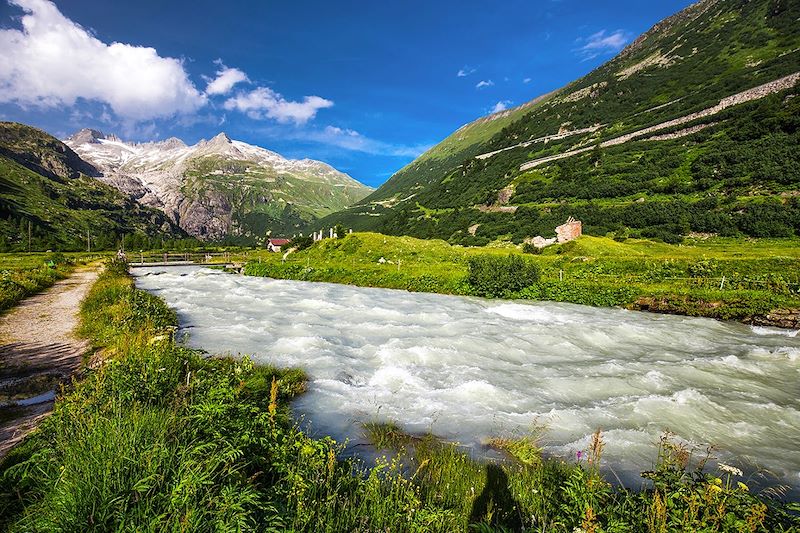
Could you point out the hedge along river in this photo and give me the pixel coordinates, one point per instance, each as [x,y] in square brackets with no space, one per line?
[467,368]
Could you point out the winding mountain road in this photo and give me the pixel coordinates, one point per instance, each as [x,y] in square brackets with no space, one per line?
[739,98]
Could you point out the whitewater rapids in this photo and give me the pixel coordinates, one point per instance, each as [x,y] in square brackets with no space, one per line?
[467,368]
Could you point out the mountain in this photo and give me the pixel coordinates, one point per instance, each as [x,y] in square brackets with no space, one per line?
[220,188]
[693,127]
[49,193]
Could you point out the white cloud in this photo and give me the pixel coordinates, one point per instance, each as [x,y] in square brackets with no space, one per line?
[225,80]
[335,130]
[263,102]
[502,105]
[52,61]
[352,140]
[527,81]
[484,83]
[466,71]
[602,42]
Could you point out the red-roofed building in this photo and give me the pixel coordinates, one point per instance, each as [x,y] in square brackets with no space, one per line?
[274,245]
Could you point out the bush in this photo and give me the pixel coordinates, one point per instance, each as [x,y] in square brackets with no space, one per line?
[117,266]
[529,248]
[301,243]
[500,276]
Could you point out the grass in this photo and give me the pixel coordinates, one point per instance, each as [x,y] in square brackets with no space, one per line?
[160,438]
[760,275]
[25,274]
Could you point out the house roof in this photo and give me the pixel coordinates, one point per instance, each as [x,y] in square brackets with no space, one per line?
[279,242]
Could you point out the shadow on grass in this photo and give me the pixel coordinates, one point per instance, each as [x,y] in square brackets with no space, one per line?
[496,506]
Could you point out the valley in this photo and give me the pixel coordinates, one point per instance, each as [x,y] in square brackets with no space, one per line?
[576,313]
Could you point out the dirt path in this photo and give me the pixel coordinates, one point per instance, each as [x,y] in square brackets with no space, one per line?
[39,350]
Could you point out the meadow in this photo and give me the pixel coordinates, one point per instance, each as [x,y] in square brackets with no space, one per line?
[751,280]
[158,437]
[25,274]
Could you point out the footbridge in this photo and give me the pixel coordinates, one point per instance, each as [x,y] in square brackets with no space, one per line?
[139,260]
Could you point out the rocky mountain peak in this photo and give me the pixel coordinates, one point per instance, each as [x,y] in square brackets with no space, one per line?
[220,139]
[172,143]
[91,136]
[86,136]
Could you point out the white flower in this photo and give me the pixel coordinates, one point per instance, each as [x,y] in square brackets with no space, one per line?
[729,469]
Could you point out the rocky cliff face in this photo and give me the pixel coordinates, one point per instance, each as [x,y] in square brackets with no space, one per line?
[220,187]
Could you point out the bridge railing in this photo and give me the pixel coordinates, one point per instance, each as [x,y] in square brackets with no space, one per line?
[211,258]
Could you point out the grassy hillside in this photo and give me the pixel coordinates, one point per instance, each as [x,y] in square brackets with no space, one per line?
[734,171]
[761,282]
[263,199]
[47,193]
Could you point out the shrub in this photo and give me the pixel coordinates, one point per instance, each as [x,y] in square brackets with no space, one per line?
[529,248]
[500,276]
[117,266]
[301,243]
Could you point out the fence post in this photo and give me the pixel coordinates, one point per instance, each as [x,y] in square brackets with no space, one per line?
[560,275]
[722,283]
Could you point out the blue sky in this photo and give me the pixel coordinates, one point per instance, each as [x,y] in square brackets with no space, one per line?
[365,86]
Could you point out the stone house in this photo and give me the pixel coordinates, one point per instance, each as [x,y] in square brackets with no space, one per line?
[275,245]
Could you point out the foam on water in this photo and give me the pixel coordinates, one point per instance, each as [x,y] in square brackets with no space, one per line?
[468,369]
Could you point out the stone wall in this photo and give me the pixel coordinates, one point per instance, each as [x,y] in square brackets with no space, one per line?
[568,231]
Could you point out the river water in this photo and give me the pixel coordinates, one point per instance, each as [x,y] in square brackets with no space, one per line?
[468,368]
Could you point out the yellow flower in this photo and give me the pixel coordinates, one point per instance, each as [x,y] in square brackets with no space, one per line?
[743,486]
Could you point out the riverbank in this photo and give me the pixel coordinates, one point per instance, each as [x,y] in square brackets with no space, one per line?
[751,281]
[159,437]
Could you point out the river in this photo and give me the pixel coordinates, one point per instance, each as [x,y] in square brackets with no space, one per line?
[467,368]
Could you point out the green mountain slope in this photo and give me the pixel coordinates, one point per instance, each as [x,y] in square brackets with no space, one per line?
[48,189]
[693,127]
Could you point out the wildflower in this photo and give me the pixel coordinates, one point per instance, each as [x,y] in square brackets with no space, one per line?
[579,454]
[729,469]
[743,486]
